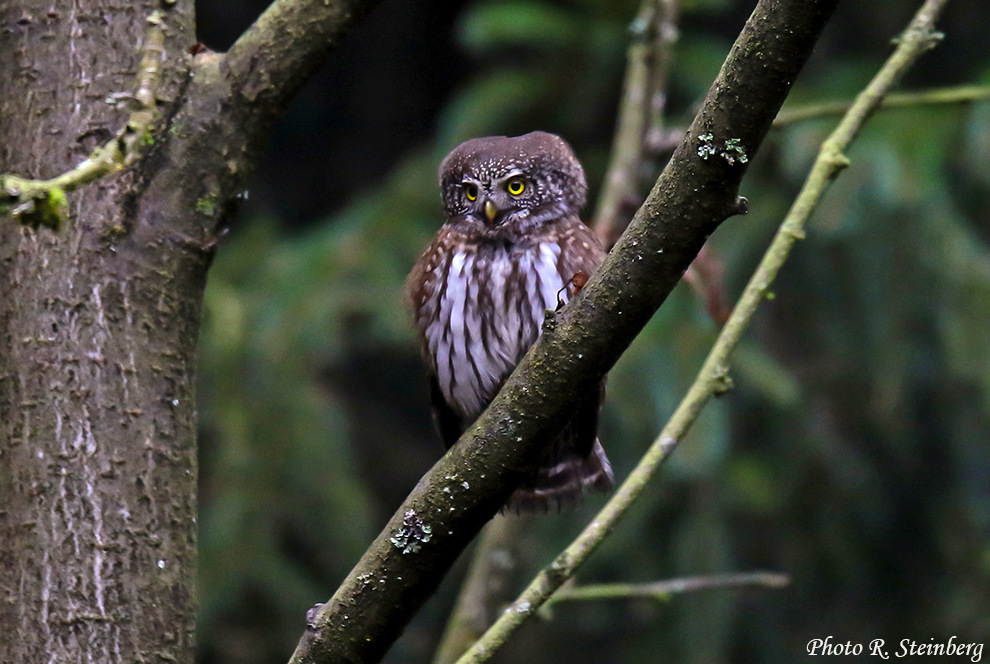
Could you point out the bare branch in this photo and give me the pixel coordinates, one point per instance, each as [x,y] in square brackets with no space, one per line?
[663,54]
[640,121]
[275,56]
[663,590]
[222,120]
[713,378]
[230,106]
[490,585]
[953,95]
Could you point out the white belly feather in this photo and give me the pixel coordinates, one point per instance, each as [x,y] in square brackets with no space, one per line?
[486,343]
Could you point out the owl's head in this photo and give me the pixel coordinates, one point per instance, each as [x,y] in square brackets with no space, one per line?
[500,184]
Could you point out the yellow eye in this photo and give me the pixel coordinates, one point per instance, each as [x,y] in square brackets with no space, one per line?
[471,191]
[515,186]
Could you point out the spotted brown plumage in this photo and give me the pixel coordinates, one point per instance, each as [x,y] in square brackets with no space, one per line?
[510,249]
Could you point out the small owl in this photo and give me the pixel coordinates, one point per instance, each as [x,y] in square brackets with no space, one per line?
[512,247]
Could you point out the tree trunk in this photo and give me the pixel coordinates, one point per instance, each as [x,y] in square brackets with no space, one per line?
[98,321]
[98,329]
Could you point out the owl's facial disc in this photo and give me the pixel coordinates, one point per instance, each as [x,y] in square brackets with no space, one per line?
[495,198]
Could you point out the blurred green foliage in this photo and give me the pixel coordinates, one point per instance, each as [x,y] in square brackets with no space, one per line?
[853,454]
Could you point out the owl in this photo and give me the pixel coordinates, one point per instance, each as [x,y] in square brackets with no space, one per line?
[512,246]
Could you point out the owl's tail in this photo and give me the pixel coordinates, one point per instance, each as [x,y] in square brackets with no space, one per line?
[563,484]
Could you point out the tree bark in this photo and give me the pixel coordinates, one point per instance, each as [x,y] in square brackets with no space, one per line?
[97,340]
[99,321]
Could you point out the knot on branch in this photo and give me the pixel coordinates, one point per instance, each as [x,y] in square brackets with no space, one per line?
[312,616]
[549,321]
[560,569]
[741,205]
[721,381]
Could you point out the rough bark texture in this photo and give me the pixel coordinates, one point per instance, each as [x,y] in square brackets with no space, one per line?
[99,321]
[97,339]
[695,193]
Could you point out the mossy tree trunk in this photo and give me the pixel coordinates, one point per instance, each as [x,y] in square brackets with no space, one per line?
[99,320]
[98,328]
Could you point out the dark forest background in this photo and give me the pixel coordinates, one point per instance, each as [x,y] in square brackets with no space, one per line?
[853,454]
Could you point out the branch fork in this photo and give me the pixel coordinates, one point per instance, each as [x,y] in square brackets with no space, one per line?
[39,203]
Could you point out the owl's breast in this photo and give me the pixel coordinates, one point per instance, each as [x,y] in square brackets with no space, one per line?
[484,314]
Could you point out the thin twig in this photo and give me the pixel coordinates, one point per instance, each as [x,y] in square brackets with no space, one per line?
[664,38]
[954,95]
[713,378]
[40,202]
[490,584]
[662,590]
[640,115]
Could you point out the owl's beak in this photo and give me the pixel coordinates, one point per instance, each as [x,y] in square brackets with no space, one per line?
[490,211]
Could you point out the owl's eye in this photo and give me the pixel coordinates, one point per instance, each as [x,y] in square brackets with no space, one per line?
[515,186]
[471,191]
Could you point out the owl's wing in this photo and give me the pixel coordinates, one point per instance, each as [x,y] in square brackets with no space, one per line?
[576,463]
[582,431]
[448,423]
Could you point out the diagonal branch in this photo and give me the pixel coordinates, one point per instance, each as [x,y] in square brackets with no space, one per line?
[695,193]
[280,51]
[219,125]
[713,377]
[640,116]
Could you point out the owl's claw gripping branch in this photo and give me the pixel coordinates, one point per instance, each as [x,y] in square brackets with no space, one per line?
[39,203]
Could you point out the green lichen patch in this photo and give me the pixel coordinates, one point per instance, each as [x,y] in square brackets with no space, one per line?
[413,533]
